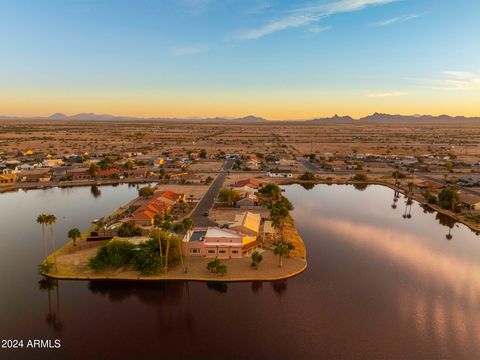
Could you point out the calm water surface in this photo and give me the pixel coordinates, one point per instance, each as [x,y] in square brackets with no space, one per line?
[382,283]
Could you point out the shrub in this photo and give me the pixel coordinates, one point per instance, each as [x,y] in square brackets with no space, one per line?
[115,254]
[256,259]
[45,267]
[146,191]
[308,176]
[146,258]
[431,199]
[360,177]
[129,229]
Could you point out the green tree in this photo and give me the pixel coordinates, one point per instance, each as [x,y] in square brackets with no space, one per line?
[256,259]
[360,177]
[449,198]
[51,220]
[166,223]
[74,234]
[146,259]
[177,228]
[128,165]
[129,229]
[281,250]
[308,176]
[271,190]
[157,222]
[115,254]
[279,214]
[146,191]
[187,225]
[222,269]
[92,169]
[42,220]
[229,196]
[184,206]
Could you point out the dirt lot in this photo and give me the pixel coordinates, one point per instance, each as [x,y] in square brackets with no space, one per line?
[289,140]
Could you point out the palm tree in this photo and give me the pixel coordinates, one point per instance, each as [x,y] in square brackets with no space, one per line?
[177,229]
[187,226]
[74,234]
[157,222]
[281,250]
[166,223]
[50,220]
[279,213]
[42,220]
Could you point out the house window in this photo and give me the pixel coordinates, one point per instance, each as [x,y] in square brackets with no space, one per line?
[211,251]
[234,251]
[194,251]
[222,251]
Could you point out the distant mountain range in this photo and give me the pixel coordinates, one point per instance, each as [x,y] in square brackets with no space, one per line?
[251,119]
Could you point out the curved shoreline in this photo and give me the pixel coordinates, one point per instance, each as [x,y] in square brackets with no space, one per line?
[175,278]
[472,226]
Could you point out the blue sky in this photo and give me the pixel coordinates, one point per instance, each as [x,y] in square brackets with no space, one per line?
[278,59]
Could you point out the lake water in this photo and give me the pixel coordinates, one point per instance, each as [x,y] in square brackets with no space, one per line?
[381,283]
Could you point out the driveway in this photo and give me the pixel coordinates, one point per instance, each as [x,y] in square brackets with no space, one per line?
[207,201]
[443,182]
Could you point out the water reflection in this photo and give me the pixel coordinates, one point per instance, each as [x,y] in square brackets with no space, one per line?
[218,286]
[52,318]
[360,187]
[256,286]
[279,286]
[95,191]
[448,222]
[307,186]
[408,208]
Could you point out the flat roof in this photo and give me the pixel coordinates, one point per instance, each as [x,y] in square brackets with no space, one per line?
[198,235]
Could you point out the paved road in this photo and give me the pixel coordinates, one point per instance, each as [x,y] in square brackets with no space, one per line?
[443,182]
[311,167]
[207,201]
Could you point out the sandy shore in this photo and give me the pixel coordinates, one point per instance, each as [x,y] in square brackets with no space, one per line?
[72,265]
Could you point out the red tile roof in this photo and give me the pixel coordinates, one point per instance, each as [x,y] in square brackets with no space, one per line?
[242,183]
[170,195]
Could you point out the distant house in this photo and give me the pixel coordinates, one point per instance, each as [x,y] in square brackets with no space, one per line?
[287,162]
[136,173]
[52,163]
[247,200]
[253,183]
[169,197]
[280,173]
[37,175]
[8,178]
[78,174]
[145,214]
[470,201]
[107,174]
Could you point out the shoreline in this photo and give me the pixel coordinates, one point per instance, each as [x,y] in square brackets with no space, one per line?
[154,278]
[472,226]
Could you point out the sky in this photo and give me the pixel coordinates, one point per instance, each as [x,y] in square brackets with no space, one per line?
[276,59]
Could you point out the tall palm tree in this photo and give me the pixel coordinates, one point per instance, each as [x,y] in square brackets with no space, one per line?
[187,226]
[51,220]
[42,220]
[166,223]
[279,214]
[157,222]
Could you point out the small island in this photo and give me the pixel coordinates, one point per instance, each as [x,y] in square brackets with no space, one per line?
[162,236]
